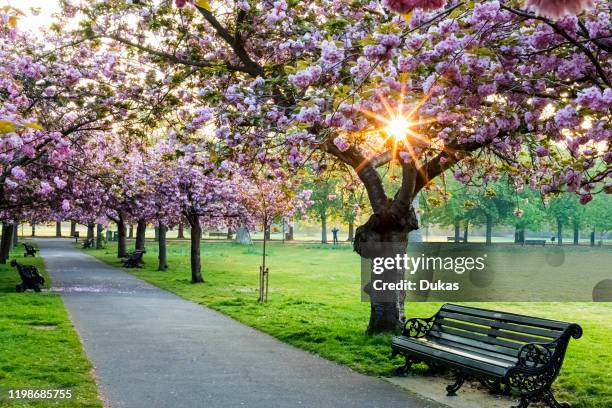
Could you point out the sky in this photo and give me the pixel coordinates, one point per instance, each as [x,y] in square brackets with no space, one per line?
[32,22]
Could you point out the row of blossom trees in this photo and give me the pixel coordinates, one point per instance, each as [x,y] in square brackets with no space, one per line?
[200,97]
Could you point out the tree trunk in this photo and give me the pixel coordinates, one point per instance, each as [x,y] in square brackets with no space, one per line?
[121,241]
[141,229]
[243,236]
[576,234]
[90,230]
[465,232]
[58,229]
[181,232]
[99,236]
[351,231]
[489,231]
[559,231]
[385,227]
[131,232]
[33,229]
[161,240]
[230,234]
[5,242]
[196,237]
[15,240]
[457,231]
[72,228]
[324,227]
[592,238]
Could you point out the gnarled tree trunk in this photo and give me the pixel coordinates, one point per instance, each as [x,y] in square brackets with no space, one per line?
[141,229]
[386,229]
[161,241]
[466,227]
[33,229]
[576,234]
[131,232]
[181,232]
[58,229]
[351,231]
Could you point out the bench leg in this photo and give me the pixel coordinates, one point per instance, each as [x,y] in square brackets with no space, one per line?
[524,402]
[550,400]
[451,390]
[403,370]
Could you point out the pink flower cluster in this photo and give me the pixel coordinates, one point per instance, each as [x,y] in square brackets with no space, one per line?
[404,6]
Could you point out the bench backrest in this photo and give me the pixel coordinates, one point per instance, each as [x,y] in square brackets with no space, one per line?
[500,332]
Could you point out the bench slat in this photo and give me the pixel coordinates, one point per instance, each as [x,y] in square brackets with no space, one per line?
[507,317]
[478,337]
[484,351]
[552,334]
[429,353]
[492,331]
[510,352]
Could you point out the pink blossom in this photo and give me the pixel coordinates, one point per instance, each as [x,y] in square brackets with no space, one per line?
[404,6]
[59,182]
[65,205]
[341,143]
[585,198]
[558,8]
[18,173]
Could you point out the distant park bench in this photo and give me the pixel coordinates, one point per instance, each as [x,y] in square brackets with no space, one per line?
[452,239]
[535,242]
[29,250]
[519,353]
[88,243]
[134,260]
[30,278]
[217,234]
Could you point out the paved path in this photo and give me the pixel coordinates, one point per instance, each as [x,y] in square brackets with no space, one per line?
[151,348]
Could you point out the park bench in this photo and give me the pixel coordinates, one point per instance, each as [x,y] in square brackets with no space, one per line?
[452,239]
[88,243]
[535,242]
[29,250]
[506,352]
[30,277]
[134,260]
[217,234]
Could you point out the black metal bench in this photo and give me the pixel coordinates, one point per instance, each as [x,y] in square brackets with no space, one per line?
[535,242]
[504,351]
[30,277]
[88,243]
[134,260]
[29,250]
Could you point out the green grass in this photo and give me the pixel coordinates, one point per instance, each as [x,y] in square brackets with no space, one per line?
[39,348]
[314,304]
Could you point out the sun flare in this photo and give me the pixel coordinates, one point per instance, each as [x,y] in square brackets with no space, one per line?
[397,127]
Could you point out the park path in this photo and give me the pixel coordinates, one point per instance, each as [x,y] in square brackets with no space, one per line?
[151,348]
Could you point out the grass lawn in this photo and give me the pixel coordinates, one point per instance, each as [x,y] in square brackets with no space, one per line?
[314,304]
[39,348]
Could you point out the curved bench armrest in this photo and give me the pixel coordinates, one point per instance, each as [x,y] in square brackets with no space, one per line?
[418,326]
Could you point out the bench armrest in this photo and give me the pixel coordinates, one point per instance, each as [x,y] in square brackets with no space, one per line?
[418,327]
[538,355]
